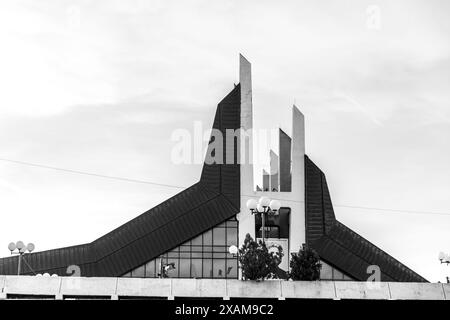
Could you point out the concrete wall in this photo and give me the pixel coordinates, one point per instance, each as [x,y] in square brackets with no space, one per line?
[114,288]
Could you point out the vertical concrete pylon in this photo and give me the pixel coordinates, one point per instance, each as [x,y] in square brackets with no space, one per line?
[246,220]
[297,232]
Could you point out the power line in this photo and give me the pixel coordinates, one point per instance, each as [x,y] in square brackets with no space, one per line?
[369,208]
[394,210]
[181,187]
[90,173]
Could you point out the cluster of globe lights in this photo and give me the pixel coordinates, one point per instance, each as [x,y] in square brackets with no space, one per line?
[444,258]
[263,205]
[21,247]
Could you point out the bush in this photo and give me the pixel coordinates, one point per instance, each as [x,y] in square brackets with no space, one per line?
[305,265]
[256,261]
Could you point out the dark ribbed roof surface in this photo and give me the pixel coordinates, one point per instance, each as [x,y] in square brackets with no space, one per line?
[339,245]
[214,199]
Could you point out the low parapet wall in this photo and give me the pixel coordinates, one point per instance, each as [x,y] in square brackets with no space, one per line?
[115,288]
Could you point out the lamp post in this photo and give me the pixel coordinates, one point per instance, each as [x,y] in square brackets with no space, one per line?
[164,268]
[264,206]
[21,250]
[444,258]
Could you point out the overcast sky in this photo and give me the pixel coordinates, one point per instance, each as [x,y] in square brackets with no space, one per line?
[99,86]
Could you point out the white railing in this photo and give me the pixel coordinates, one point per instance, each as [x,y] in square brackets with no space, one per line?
[115,288]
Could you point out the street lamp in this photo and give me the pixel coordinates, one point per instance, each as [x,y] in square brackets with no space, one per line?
[444,258]
[21,250]
[164,268]
[264,206]
[233,250]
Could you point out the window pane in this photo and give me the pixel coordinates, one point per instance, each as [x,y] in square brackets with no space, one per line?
[197,240]
[139,272]
[232,223]
[185,255]
[221,255]
[207,238]
[196,268]
[185,248]
[337,275]
[150,269]
[326,272]
[231,237]
[347,278]
[219,268]
[222,225]
[207,268]
[219,236]
[232,268]
[185,268]
[174,272]
[218,248]
[207,249]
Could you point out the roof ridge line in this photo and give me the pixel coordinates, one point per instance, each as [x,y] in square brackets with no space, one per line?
[376,247]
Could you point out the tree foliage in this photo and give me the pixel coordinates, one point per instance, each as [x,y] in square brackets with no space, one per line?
[305,265]
[257,263]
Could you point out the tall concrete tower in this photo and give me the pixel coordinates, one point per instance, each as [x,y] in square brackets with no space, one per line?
[290,189]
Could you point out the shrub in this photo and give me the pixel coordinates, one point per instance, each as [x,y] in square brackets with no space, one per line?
[256,261]
[305,265]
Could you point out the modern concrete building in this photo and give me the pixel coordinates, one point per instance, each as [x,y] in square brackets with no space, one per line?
[194,229]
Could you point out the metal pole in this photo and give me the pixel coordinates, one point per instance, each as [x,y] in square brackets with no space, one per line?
[263,214]
[19,264]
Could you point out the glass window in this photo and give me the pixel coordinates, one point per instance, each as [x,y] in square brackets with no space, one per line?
[219,236]
[207,254]
[207,238]
[174,272]
[185,255]
[232,268]
[196,268]
[219,268]
[221,255]
[185,248]
[150,269]
[326,271]
[337,275]
[208,249]
[197,241]
[232,236]
[222,225]
[347,278]
[203,256]
[207,268]
[185,268]
[139,272]
[232,223]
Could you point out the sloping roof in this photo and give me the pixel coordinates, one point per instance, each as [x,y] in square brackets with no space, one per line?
[337,244]
[214,199]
